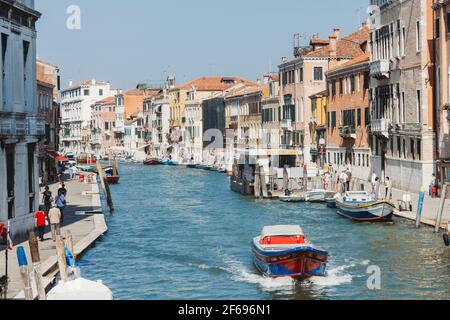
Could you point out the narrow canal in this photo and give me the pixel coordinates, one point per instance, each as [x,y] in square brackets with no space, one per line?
[182,234]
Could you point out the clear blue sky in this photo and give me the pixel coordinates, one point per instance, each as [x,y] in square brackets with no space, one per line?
[127,42]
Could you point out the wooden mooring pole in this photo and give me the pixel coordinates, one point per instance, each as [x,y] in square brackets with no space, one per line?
[61,254]
[105,186]
[36,259]
[25,273]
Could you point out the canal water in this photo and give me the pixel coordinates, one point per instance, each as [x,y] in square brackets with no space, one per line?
[181,233]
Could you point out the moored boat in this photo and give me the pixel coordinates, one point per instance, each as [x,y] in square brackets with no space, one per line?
[316,195]
[113,179]
[281,251]
[169,163]
[360,206]
[447,236]
[152,162]
[292,198]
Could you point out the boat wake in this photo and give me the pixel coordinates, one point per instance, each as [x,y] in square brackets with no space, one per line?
[240,273]
[337,276]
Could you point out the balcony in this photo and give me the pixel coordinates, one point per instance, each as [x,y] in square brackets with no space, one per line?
[379,69]
[286,124]
[381,127]
[347,132]
[11,126]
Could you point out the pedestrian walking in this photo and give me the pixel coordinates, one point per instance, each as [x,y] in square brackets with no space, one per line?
[55,221]
[377,188]
[373,182]
[61,204]
[349,178]
[73,172]
[388,189]
[47,199]
[343,181]
[40,220]
[433,186]
[326,181]
[62,189]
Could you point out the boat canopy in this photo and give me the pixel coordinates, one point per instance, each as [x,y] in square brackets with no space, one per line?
[287,231]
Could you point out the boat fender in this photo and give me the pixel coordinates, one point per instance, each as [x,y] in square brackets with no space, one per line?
[70,260]
[447,240]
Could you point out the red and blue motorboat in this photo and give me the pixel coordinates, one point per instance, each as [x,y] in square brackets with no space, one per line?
[281,251]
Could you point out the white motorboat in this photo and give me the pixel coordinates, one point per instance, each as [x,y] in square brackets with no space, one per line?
[316,195]
[292,198]
[360,206]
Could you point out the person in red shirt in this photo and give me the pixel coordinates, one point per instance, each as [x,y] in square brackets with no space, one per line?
[40,221]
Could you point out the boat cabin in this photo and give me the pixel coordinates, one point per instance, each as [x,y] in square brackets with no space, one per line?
[278,235]
[358,196]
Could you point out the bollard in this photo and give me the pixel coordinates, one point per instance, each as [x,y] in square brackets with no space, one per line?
[25,273]
[420,208]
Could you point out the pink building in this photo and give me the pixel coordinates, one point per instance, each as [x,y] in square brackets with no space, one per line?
[102,125]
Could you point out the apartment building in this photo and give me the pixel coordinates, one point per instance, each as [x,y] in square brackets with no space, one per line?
[76,103]
[401,93]
[21,125]
[271,113]
[102,126]
[47,76]
[318,127]
[442,88]
[304,76]
[157,120]
[348,117]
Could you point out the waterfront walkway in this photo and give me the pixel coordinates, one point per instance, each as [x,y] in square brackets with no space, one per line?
[85,229]
[430,206]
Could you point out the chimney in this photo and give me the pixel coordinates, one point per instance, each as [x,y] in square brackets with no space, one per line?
[94,82]
[70,83]
[284,59]
[333,45]
[337,32]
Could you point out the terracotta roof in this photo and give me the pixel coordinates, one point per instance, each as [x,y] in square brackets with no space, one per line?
[319,94]
[359,59]
[243,91]
[213,83]
[319,41]
[106,101]
[349,46]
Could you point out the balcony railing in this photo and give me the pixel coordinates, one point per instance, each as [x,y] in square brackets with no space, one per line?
[381,127]
[13,126]
[286,124]
[347,132]
[379,69]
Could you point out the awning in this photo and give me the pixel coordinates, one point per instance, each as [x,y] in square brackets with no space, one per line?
[55,155]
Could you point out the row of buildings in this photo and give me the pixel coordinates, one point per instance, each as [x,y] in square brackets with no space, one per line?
[375,100]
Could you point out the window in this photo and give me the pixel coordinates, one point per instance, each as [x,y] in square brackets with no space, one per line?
[86,92]
[341,87]
[419,148]
[100,92]
[301,74]
[403,40]
[366,80]
[318,73]
[358,117]
[333,119]
[419,107]
[418,36]
[412,147]
[333,88]
[352,84]
[448,22]
[399,38]
[437,24]
[367,117]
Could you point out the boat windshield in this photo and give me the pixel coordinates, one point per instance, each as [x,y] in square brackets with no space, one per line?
[277,240]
